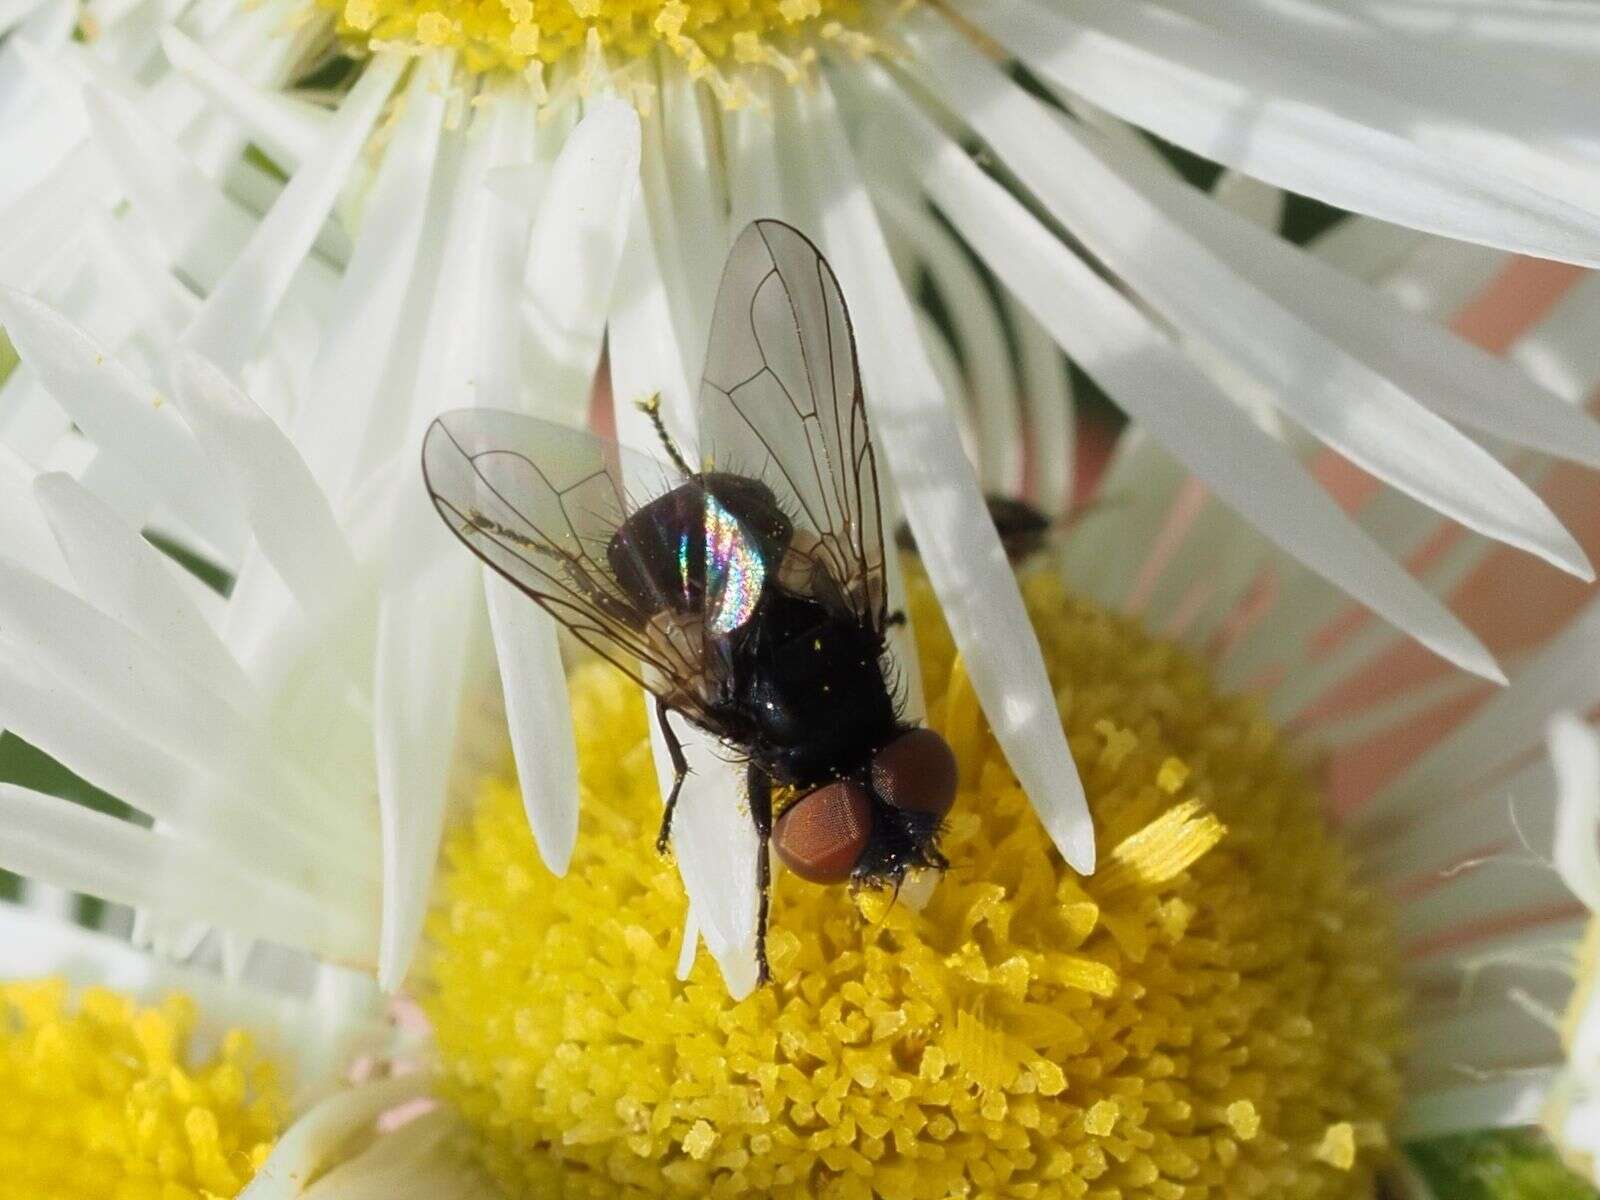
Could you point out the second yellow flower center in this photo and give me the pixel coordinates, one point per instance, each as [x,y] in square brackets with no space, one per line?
[101,1099]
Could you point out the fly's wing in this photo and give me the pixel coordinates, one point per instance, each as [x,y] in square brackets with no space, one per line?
[781,401]
[540,503]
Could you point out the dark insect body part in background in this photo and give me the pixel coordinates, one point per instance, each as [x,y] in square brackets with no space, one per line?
[749,596]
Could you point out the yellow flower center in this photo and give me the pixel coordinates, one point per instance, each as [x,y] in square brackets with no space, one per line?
[1213,1014]
[713,38]
[102,1100]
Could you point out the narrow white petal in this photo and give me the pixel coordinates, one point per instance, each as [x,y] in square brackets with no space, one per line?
[689,944]
[136,584]
[574,256]
[76,848]
[538,718]
[943,504]
[346,381]
[422,646]
[1052,420]
[122,414]
[428,606]
[1161,389]
[1350,407]
[1493,1104]
[1455,378]
[1280,121]
[986,354]
[1575,750]
[288,129]
[717,847]
[292,521]
[237,311]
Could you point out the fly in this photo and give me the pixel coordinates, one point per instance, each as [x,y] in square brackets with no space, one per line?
[748,597]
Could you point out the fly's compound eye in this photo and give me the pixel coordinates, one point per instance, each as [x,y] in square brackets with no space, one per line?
[821,835]
[916,773]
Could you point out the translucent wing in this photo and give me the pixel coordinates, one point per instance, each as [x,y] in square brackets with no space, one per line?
[781,401]
[542,504]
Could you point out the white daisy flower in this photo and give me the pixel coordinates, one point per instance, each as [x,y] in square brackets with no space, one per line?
[1439,783]
[464,264]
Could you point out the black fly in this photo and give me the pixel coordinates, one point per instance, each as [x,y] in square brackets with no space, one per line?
[748,596]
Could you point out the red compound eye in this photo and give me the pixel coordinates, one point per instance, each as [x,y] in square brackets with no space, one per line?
[916,773]
[820,836]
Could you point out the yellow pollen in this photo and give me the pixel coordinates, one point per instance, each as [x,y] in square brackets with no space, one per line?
[1214,1015]
[711,37]
[103,1101]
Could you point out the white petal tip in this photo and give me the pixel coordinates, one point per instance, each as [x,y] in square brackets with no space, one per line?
[739,973]
[555,849]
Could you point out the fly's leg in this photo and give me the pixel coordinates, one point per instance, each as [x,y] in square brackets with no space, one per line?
[680,769]
[758,785]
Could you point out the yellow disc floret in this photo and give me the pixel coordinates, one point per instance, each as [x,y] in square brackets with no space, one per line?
[1213,1015]
[101,1100]
[711,37]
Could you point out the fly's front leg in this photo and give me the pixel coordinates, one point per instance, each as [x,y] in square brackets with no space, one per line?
[680,769]
[758,785]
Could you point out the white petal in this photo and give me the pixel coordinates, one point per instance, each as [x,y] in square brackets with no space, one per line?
[346,382]
[122,414]
[293,523]
[986,355]
[1356,411]
[1575,750]
[1284,122]
[943,504]
[237,310]
[424,622]
[422,646]
[136,584]
[575,254]
[288,129]
[689,944]
[1144,373]
[1052,418]
[717,846]
[76,848]
[538,718]
[1455,378]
